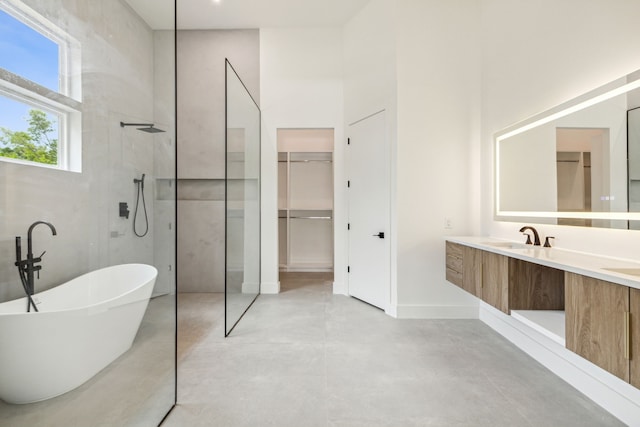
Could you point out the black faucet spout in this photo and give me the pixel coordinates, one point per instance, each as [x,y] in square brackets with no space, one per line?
[28,267]
[29,240]
[536,237]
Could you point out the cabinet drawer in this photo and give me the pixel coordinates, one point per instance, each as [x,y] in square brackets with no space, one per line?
[454,263]
[454,276]
[454,250]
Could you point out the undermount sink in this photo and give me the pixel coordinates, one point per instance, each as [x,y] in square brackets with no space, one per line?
[507,245]
[630,271]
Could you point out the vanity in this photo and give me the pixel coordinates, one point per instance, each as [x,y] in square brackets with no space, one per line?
[581,304]
[576,164]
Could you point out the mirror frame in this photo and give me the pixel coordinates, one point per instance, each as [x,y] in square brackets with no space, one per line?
[617,87]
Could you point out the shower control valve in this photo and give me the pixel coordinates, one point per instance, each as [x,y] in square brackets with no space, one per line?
[124,210]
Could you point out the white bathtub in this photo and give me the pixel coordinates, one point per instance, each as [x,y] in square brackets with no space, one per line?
[81,327]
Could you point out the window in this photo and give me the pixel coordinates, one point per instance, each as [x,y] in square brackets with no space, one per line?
[40,109]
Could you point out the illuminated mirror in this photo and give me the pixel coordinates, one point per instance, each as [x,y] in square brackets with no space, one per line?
[576,164]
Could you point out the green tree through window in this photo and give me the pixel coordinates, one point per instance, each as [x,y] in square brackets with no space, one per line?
[34,144]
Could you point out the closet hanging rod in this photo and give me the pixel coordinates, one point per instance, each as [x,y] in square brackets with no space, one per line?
[310,217]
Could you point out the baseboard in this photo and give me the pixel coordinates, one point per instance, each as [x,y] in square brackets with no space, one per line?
[614,395]
[250,287]
[270,288]
[339,288]
[392,311]
[411,311]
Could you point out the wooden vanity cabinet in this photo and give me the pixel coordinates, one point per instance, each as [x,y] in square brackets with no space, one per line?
[495,280]
[595,322]
[472,270]
[454,263]
[534,286]
[634,308]
[464,265]
[602,319]
[505,283]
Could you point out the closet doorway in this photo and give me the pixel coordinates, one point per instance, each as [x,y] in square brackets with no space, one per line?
[305,205]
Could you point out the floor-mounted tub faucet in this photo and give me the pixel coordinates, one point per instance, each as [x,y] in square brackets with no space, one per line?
[536,237]
[27,267]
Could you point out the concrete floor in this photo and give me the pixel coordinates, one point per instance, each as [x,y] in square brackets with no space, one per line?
[308,358]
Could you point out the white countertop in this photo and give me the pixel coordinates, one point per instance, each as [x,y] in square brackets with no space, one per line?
[576,262]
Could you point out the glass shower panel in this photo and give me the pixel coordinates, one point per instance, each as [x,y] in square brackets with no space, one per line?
[242,284]
[101,350]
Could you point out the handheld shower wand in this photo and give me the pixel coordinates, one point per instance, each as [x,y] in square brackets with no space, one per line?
[140,184]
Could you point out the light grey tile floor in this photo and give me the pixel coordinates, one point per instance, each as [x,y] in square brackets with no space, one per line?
[136,390]
[308,358]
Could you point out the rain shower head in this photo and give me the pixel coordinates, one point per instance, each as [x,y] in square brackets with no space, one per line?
[151,129]
[146,127]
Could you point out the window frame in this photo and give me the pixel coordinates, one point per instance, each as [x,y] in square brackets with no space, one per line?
[65,103]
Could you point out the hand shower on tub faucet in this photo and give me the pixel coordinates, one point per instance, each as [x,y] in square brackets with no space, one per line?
[27,267]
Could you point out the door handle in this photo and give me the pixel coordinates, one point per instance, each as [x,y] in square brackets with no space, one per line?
[380,235]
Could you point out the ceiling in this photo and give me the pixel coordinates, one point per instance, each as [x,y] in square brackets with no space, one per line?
[228,14]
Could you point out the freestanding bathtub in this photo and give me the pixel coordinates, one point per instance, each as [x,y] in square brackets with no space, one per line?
[81,327]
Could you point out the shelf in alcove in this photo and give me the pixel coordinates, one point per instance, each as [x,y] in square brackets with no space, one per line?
[305,157]
[315,208]
[326,214]
[302,267]
[550,323]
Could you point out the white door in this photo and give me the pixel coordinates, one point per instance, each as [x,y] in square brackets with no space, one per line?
[369,211]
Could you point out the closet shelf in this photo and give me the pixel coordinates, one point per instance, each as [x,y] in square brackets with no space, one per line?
[305,212]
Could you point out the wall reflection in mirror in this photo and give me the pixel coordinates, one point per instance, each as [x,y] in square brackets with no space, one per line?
[88,312]
[577,164]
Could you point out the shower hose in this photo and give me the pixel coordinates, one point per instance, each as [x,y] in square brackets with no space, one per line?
[140,185]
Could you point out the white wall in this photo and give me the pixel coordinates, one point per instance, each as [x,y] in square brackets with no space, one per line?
[452,74]
[537,55]
[369,87]
[438,127]
[301,87]
[419,60]
[370,61]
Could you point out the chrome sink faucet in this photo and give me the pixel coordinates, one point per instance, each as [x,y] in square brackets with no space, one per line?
[536,237]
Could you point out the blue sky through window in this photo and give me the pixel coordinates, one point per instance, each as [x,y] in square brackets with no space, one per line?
[28,53]
[14,115]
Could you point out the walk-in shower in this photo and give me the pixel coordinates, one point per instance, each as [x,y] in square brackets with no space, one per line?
[101,351]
